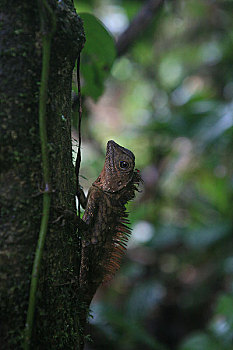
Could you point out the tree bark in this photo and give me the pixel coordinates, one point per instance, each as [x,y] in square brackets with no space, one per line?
[56,324]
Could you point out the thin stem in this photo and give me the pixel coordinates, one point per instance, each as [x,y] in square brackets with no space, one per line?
[36,270]
[78,158]
[47,38]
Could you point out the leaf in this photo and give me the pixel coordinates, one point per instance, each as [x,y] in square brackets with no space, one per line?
[200,341]
[97,56]
[225,307]
[222,323]
[126,332]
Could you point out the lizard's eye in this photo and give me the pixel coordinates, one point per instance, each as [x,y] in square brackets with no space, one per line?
[124,164]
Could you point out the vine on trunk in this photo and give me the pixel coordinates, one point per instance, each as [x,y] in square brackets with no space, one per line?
[47,35]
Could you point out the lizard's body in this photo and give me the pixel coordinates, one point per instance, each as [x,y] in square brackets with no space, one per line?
[105,239]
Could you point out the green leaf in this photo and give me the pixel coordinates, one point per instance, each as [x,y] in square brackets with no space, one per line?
[97,56]
[126,332]
[222,323]
[225,307]
[200,341]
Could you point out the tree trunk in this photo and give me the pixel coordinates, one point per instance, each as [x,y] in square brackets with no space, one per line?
[56,323]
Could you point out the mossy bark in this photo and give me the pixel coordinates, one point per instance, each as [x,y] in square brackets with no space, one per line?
[57,308]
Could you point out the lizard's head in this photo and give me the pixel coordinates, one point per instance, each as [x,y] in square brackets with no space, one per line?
[118,168]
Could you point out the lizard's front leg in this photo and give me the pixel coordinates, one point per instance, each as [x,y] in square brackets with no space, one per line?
[81,197]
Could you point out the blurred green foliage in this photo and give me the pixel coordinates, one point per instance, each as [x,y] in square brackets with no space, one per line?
[170,100]
[97,56]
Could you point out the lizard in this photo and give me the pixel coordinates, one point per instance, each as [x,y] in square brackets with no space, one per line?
[105,237]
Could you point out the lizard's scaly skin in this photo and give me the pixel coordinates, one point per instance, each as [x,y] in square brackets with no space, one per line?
[105,240]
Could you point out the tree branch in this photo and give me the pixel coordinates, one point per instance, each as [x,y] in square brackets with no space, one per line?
[138,25]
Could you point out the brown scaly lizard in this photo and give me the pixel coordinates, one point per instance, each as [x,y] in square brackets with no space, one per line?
[104,240]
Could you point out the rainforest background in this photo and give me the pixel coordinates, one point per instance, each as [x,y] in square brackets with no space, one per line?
[169,98]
